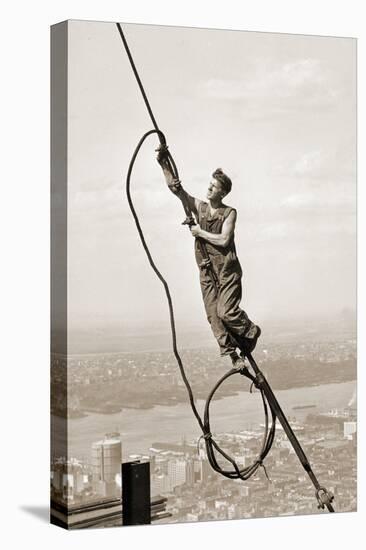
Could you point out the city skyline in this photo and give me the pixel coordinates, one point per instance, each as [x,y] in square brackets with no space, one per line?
[180,472]
[137,400]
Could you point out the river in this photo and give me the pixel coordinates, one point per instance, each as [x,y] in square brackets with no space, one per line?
[140,428]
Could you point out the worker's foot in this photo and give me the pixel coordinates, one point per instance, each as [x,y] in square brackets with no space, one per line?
[251,338]
[237,362]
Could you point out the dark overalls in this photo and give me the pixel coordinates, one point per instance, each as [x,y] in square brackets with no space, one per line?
[222,305]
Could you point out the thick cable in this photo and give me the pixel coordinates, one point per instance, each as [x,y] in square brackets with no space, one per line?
[137,76]
[160,276]
[211,445]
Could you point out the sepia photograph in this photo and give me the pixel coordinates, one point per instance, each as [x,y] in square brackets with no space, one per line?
[203,274]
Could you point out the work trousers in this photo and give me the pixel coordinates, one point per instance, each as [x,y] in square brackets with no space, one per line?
[222,304]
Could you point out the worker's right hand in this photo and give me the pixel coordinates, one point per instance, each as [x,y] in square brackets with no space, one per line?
[195,230]
[175,186]
[162,151]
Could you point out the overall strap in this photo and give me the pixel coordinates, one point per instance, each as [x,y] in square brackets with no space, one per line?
[202,211]
[224,212]
[227,211]
[221,214]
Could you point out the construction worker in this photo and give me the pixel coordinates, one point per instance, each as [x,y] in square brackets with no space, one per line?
[220,277]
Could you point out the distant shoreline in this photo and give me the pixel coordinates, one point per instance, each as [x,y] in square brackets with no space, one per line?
[207,346]
[89,412]
[138,352]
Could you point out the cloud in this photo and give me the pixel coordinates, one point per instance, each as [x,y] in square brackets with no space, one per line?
[334,212]
[308,163]
[332,162]
[304,81]
[273,231]
[298,200]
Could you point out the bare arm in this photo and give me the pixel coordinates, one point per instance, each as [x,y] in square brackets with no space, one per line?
[218,239]
[175,186]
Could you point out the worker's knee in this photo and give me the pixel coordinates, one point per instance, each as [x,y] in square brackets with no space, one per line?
[223,314]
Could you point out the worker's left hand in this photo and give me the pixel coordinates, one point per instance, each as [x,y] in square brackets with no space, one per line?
[195,230]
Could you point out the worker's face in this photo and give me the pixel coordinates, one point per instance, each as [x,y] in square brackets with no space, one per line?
[215,191]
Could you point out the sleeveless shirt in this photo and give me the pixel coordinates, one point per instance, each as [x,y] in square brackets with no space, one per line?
[219,255]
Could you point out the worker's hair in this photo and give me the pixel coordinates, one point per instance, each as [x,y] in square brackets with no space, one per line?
[223,179]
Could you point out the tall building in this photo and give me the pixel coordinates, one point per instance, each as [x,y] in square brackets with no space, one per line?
[202,470]
[67,478]
[160,484]
[106,465]
[349,428]
[190,477]
[177,472]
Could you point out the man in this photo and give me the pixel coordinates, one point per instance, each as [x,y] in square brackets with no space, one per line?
[221,279]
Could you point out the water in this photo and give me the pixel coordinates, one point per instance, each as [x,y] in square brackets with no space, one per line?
[140,428]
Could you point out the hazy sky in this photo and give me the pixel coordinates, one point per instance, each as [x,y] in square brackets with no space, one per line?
[276,112]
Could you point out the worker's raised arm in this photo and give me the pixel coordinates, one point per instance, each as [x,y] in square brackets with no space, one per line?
[174,184]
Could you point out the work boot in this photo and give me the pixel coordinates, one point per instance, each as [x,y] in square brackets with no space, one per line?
[251,341]
[238,362]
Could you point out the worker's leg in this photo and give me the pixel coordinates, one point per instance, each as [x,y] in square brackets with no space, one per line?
[229,311]
[221,333]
